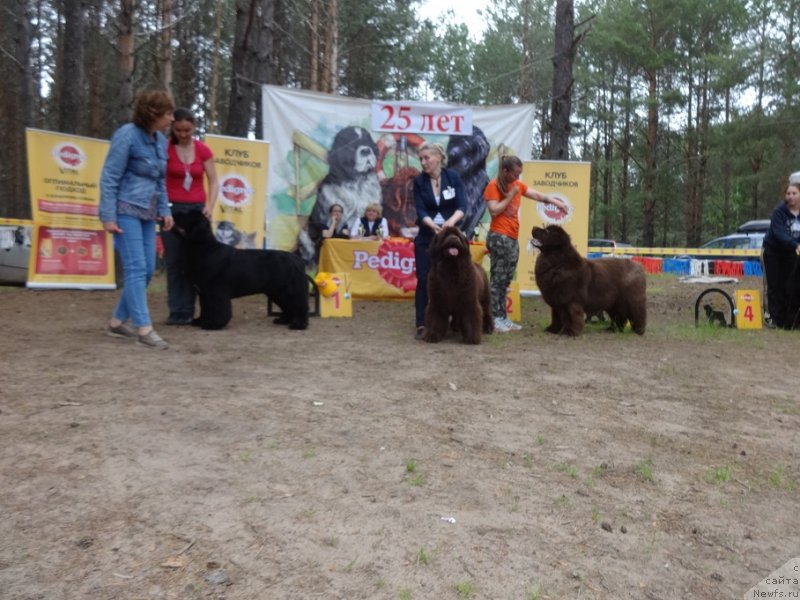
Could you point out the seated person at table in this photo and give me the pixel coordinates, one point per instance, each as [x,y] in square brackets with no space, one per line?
[371,226]
[335,228]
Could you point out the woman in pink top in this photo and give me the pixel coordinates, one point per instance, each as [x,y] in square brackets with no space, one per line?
[190,165]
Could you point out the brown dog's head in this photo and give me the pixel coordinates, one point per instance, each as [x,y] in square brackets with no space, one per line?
[449,243]
[552,237]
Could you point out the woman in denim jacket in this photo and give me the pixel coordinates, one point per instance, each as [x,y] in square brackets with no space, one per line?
[132,197]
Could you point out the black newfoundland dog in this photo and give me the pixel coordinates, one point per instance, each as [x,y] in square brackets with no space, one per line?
[457,289]
[573,286]
[220,273]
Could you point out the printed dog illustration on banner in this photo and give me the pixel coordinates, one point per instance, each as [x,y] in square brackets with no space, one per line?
[352,182]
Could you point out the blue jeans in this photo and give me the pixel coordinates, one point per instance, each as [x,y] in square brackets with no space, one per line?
[137,251]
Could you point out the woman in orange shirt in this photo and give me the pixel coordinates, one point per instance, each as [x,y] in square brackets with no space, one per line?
[503,195]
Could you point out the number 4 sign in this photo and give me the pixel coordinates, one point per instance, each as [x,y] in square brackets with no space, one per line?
[748,309]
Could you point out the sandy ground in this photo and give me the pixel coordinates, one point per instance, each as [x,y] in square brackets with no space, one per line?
[350,461]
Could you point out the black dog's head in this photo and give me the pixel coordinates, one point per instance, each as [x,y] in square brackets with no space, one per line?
[353,154]
[552,237]
[451,244]
[193,226]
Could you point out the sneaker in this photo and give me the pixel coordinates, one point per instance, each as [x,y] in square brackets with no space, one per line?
[420,332]
[152,340]
[511,325]
[500,325]
[121,331]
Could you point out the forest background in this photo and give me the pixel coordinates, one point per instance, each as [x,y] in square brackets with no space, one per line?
[688,110]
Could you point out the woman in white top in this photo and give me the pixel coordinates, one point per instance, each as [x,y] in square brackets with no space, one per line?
[371,226]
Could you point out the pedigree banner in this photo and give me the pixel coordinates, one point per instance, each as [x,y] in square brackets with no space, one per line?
[383,270]
[241,167]
[568,181]
[69,248]
[330,149]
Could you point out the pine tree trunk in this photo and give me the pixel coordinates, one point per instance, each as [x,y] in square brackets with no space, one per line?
[165,58]
[331,48]
[563,57]
[252,62]
[213,117]
[94,77]
[649,175]
[313,83]
[127,60]
[15,110]
[70,113]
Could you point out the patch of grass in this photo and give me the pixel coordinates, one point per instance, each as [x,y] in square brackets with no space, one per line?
[349,566]
[308,514]
[418,480]
[156,286]
[562,501]
[535,593]
[540,440]
[719,475]
[527,460]
[404,594]
[595,514]
[331,541]
[785,408]
[423,558]
[309,453]
[465,589]
[779,480]
[567,469]
[245,456]
[411,465]
[645,470]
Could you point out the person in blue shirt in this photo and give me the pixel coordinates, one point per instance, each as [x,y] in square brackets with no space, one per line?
[133,197]
[441,201]
[780,248]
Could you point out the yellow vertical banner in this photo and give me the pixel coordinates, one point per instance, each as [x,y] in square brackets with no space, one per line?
[69,248]
[241,167]
[748,309]
[568,181]
[513,309]
[340,302]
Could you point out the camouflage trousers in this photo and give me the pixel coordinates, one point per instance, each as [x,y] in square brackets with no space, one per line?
[503,254]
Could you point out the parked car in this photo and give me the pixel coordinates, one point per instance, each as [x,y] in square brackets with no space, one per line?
[601,243]
[761,225]
[734,241]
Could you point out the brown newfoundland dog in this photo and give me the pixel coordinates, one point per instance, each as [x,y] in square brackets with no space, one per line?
[573,286]
[458,291]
